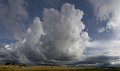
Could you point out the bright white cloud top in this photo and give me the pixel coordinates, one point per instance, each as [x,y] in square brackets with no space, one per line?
[59,37]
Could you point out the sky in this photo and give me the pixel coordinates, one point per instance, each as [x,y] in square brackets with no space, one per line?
[60,32]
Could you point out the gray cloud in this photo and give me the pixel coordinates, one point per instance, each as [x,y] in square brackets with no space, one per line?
[59,38]
[108,10]
[64,29]
[100,61]
[12,15]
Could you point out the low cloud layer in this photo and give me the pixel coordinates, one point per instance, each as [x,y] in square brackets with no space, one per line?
[60,37]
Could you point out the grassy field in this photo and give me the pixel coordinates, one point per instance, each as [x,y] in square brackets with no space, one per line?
[53,68]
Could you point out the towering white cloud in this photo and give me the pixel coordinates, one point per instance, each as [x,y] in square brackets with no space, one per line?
[59,37]
[35,31]
[64,32]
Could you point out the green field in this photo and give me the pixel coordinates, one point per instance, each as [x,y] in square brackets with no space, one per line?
[53,68]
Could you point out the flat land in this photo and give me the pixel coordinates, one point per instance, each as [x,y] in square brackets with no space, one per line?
[53,68]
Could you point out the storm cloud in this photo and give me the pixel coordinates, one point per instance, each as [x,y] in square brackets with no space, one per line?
[59,37]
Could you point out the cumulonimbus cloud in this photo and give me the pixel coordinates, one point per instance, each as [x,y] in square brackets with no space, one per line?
[59,37]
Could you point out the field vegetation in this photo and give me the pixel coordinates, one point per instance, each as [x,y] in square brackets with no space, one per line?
[52,68]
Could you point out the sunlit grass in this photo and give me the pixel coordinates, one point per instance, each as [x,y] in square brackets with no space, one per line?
[53,68]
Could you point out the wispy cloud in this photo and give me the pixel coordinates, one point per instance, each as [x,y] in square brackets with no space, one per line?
[108,10]
[12,15]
